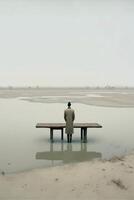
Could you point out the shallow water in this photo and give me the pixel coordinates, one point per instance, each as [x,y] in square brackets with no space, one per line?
[23,147]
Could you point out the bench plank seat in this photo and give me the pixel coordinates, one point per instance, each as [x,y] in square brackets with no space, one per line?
[61,126]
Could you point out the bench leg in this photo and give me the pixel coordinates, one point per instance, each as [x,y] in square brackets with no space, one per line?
[51,134]
[85,134]
[81,134]
[62,132]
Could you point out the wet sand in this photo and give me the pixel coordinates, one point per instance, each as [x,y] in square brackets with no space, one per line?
[117,97]
[99,179]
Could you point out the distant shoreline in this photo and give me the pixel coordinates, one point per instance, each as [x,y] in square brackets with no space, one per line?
[68,87]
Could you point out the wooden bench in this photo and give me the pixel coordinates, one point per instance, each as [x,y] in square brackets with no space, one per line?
[61,126]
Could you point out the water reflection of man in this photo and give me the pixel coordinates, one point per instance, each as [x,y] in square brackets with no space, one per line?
[69,116]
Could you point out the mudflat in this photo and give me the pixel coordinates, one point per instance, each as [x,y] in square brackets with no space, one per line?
[107,97]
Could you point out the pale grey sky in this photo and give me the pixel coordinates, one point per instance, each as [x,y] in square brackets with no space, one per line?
[66,43]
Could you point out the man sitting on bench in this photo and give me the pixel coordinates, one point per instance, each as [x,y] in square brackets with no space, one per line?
[69,116]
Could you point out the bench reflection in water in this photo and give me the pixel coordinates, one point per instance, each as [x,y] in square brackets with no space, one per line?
[68,155]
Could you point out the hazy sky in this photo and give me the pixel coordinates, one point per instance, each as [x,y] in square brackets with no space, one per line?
[66,42]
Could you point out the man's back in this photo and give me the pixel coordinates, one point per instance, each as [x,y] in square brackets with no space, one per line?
[69,115]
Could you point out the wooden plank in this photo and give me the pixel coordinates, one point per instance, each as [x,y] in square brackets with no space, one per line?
[63,125]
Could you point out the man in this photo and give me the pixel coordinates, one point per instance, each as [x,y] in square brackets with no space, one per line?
[69,117]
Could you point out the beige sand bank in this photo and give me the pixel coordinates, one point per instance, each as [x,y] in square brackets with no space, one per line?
[116,97]
[112,179]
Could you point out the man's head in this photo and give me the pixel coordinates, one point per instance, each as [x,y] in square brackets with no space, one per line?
[69,104]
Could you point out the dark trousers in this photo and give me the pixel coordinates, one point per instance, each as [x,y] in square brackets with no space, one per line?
[69,138]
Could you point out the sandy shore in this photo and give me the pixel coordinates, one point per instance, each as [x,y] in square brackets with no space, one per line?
[113,179]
